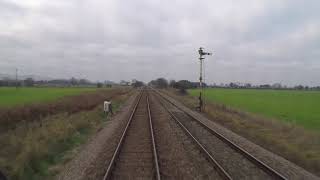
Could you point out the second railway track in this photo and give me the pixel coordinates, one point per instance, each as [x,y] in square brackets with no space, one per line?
[230,160]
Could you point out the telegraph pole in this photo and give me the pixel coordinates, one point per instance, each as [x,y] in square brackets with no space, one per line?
[16,78]
[201,58]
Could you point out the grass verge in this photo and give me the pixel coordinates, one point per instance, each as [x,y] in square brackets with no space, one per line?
[11,96]
[293,106]
[288,140]
[38,151]
[11,118]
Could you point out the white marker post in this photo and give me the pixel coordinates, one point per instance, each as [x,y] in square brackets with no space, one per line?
[106,107]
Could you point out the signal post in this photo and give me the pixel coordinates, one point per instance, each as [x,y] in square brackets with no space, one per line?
[201,58]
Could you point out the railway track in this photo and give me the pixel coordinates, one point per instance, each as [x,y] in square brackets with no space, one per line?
[136,156]
[179,156]
[230,160]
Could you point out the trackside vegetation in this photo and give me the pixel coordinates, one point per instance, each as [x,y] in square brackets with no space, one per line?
[293,106]
[289,140]
[40,149]
[11,116]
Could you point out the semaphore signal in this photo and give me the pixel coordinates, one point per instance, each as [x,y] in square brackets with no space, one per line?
[201,58]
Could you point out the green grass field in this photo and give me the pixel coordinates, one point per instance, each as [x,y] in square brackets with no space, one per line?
[11,97]
[299,107]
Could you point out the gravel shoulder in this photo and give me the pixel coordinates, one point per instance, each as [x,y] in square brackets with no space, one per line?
[92,160]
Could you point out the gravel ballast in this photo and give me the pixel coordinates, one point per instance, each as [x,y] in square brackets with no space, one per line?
[179,157]
[93,159]
[283,166]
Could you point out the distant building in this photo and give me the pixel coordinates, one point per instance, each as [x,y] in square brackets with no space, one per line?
[124,83]
[265,86]
[276,86]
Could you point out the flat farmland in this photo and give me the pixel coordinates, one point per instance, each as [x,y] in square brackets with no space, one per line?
[298,107]
[11,96]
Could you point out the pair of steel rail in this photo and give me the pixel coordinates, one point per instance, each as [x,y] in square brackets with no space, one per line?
[215,163]
[108,173]
[269,170]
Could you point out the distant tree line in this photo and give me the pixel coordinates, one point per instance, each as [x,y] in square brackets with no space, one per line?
[159,83]
[181,84]
[137,84]
[238,85]
[9,82]
[72,82]
[30,82]
[185,84]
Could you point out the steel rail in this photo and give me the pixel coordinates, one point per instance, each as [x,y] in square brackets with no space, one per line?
[246,154]
[117,151]
[155,156]
[217,166]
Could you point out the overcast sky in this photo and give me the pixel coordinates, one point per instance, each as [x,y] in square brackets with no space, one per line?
[254,41]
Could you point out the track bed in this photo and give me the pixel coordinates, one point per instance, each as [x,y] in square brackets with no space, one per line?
[134,158]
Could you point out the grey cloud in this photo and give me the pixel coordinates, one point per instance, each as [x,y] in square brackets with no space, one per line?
[252,41]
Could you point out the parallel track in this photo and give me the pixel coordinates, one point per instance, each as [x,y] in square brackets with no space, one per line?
[216,165]
[136,156]
[267,169]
